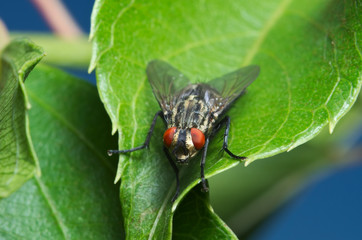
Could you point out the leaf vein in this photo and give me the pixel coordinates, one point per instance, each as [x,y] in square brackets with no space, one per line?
[16,136]
[52,207]
[265,30]
[159,213]
[119,16]
[204,42]
[135,128]
[72,128]
[357,45]
[289,104]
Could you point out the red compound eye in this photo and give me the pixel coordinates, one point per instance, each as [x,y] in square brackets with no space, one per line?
[168,136]
[198,138]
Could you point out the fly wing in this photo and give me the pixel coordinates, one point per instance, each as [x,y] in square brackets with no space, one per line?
[166,81]
[232,85]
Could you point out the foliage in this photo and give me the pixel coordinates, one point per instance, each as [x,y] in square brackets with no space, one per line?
[18,160]
[309,55]
[309,78]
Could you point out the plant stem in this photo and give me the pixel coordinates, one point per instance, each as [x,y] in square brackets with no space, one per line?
[69,53]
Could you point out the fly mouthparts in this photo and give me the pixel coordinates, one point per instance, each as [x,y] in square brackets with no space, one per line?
[183,162]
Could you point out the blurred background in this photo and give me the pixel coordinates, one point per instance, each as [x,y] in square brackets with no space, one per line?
[312,192]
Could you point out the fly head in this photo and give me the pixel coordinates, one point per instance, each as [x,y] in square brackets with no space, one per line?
[183,143]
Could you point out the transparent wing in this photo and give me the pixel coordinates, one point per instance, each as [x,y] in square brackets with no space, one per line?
[166,81]
[231,85]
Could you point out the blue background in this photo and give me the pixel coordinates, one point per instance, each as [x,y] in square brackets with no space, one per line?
[330,208]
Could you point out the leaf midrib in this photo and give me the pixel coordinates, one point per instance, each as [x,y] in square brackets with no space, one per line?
[72,128]
[52,207]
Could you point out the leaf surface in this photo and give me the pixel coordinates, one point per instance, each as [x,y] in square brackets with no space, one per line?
[75,197]
[195,219]
[18,161]
[309,55]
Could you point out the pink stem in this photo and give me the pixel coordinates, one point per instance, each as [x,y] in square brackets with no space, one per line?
[58,18]
[4,35]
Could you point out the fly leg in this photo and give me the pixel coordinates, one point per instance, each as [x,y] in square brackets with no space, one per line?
[202,166]
[226,121]
[148,138]
[173,165]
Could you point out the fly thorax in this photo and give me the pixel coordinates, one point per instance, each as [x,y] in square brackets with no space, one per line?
[190,112]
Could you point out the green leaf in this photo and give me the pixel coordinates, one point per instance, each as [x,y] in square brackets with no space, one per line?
[194,219]
[75,197]
[309,56]
[18,161]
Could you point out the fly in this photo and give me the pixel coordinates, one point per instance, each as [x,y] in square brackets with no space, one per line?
[192,112]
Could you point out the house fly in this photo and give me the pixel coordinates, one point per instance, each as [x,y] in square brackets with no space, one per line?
[192,112]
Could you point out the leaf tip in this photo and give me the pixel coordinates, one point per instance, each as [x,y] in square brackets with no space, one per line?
[332,125]
[249,160]
[294,145]
[114,128]
[92,66]
[174,206]
[121,166]
[91,35]
[94,57]
[117,178]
